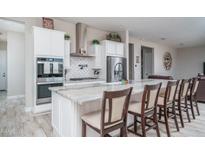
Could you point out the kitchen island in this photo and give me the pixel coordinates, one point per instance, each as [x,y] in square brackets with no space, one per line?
[69,103]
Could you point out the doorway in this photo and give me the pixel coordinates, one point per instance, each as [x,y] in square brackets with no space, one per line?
[131,61]
[3,70]
[147,62]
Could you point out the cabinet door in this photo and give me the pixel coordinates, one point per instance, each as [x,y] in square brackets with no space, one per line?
[57,43]
[55,112]
[67,54]
[98,56]
[41,41]
[110,47]
[120,49]
[65,116]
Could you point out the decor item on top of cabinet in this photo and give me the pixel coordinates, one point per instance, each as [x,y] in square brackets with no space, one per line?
[113,37]
[48,23]
[95,42]
[67,36]
[167,60]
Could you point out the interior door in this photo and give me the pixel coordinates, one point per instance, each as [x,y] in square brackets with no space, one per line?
[3,75]
[131,61]
[147,62]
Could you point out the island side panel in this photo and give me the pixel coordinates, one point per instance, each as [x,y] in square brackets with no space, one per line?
[62,115]
[66,115]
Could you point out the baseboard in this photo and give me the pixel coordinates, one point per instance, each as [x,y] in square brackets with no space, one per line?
[42,108]
[15,96]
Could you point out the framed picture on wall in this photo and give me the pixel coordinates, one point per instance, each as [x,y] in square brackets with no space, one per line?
[48,23]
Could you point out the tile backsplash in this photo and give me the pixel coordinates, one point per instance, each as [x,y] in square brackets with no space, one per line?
[76,72]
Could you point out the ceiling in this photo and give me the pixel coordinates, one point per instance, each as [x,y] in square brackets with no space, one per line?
[177,32]
[8,25]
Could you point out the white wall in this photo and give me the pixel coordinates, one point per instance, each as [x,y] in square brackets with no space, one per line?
[190,62]
[159,51]
[3,45]
[15,64]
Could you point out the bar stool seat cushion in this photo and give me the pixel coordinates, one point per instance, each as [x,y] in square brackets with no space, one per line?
[94,119]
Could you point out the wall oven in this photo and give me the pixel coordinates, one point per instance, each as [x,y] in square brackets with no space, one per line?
[49,74]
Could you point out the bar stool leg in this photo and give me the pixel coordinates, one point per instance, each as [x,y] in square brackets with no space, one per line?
[197,108]
[83,129]
[135,124]
[175,116]
[166,122]
[143,122]
[187,110]
[180,114]
[192,108]
[160,113]
[156,123]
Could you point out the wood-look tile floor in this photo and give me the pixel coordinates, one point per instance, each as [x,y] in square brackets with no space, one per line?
[15,122]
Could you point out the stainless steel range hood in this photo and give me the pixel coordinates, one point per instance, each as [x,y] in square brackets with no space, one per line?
[81,41]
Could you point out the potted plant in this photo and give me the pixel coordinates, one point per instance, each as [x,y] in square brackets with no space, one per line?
[95,42]
[67,36]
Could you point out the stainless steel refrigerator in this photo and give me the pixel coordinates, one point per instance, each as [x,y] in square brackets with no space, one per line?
[116,69]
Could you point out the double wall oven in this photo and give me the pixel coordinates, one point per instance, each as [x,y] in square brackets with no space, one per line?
[49,74]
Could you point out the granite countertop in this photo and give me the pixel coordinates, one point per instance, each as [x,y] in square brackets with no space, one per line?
[92,92]
[83,81]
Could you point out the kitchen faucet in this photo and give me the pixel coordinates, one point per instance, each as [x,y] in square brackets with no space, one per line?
[82,66]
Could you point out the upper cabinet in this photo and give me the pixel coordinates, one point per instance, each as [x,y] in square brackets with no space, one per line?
[113,48]
[41,41]
[97,52]
[48,42]
[67,54]
[57,43]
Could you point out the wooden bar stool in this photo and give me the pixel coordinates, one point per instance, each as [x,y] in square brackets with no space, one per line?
[166,102]
[147,109]
[192,97]
[112,116]
[181,99]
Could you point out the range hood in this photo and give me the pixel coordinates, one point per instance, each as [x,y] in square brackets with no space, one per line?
[81,41]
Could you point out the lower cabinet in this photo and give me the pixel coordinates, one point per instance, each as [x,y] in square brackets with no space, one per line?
[65,125]
[60,115]
[55,113]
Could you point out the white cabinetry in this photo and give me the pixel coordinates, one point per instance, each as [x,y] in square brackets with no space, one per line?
[113,48]
[55,113]
[57,43]
[48,42]
[60,115]
[67,54]
[41,41]
[96,50]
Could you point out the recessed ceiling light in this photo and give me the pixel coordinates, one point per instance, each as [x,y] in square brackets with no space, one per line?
[163,38]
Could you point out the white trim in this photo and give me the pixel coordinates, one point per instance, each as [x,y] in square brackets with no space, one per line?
[42,108]
[15,96]
[27,109]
